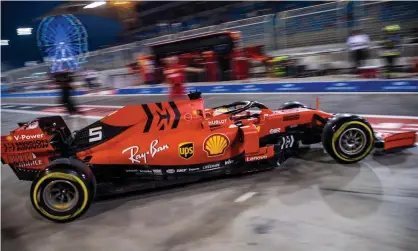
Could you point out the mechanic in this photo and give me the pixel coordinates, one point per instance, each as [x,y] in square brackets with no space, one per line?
[146,68]
[391,47]
[175,76]
[358,44]
[64,80]
[277,66]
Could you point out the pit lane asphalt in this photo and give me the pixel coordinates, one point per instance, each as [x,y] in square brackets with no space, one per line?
[388,104]
[313,204]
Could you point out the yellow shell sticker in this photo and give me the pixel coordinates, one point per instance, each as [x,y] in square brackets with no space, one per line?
[220,111]
[216,144]
[258,128]
[9,138]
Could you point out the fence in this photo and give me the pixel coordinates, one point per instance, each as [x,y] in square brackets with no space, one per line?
[332,22]
[328,23]
[295,26]
[373,16]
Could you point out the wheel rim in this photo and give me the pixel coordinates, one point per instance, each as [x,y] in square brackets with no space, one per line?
[352,141]
[60,195]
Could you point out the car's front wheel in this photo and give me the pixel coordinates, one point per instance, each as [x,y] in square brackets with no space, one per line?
[348,138]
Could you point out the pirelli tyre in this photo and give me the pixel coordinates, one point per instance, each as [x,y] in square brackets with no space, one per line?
[62,193]
[348,138]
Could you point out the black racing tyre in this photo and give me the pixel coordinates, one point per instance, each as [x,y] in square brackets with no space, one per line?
[348,138]
[62,194]
[292,105]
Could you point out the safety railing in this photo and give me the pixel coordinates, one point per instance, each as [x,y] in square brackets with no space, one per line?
[332,23]
[295,28]
[254,31]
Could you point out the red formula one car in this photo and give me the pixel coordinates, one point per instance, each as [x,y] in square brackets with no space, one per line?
[148,145]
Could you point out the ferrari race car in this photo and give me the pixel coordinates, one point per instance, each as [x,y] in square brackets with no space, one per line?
[150,145]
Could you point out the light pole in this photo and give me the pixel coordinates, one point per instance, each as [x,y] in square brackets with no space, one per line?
[24,31]
[94,5]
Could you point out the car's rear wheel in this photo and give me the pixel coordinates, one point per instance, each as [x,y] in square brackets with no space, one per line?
[61,194]
[348,138]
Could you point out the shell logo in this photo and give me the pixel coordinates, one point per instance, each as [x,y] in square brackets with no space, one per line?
[216,144]
[258,128]
[9,138]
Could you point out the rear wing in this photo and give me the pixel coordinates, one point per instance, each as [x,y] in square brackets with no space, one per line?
[31,146]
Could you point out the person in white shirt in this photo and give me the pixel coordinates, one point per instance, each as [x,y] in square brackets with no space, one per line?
[358,44]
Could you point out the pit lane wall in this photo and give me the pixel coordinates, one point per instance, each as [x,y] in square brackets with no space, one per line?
[376,86]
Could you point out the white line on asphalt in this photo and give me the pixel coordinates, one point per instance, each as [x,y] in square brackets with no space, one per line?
[390,131]
[118,106]
[48,113]
[103,106]
[27,107]
[8,106]
[108,106]
[393,131]
[268,93]
[387,125]
[14,104]
[388,116]
[58,105]
[241,93]
[245,197]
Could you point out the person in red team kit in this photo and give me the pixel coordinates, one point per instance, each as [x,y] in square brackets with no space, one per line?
[175,75]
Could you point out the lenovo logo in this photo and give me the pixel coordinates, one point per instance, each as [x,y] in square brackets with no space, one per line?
[256,158]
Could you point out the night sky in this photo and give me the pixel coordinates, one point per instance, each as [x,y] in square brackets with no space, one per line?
[21,49]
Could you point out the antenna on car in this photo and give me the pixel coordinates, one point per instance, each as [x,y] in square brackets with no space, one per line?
[317,103]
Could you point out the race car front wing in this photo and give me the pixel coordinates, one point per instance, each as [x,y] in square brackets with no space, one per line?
[385,142]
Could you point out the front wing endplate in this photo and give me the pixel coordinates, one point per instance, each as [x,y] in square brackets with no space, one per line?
[390,141]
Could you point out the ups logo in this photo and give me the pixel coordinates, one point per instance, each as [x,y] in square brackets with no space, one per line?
[186,150]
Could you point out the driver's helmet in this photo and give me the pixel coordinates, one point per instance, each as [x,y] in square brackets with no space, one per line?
[33,125]
[219,111]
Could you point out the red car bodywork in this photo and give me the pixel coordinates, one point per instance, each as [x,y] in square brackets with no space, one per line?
[154,135]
